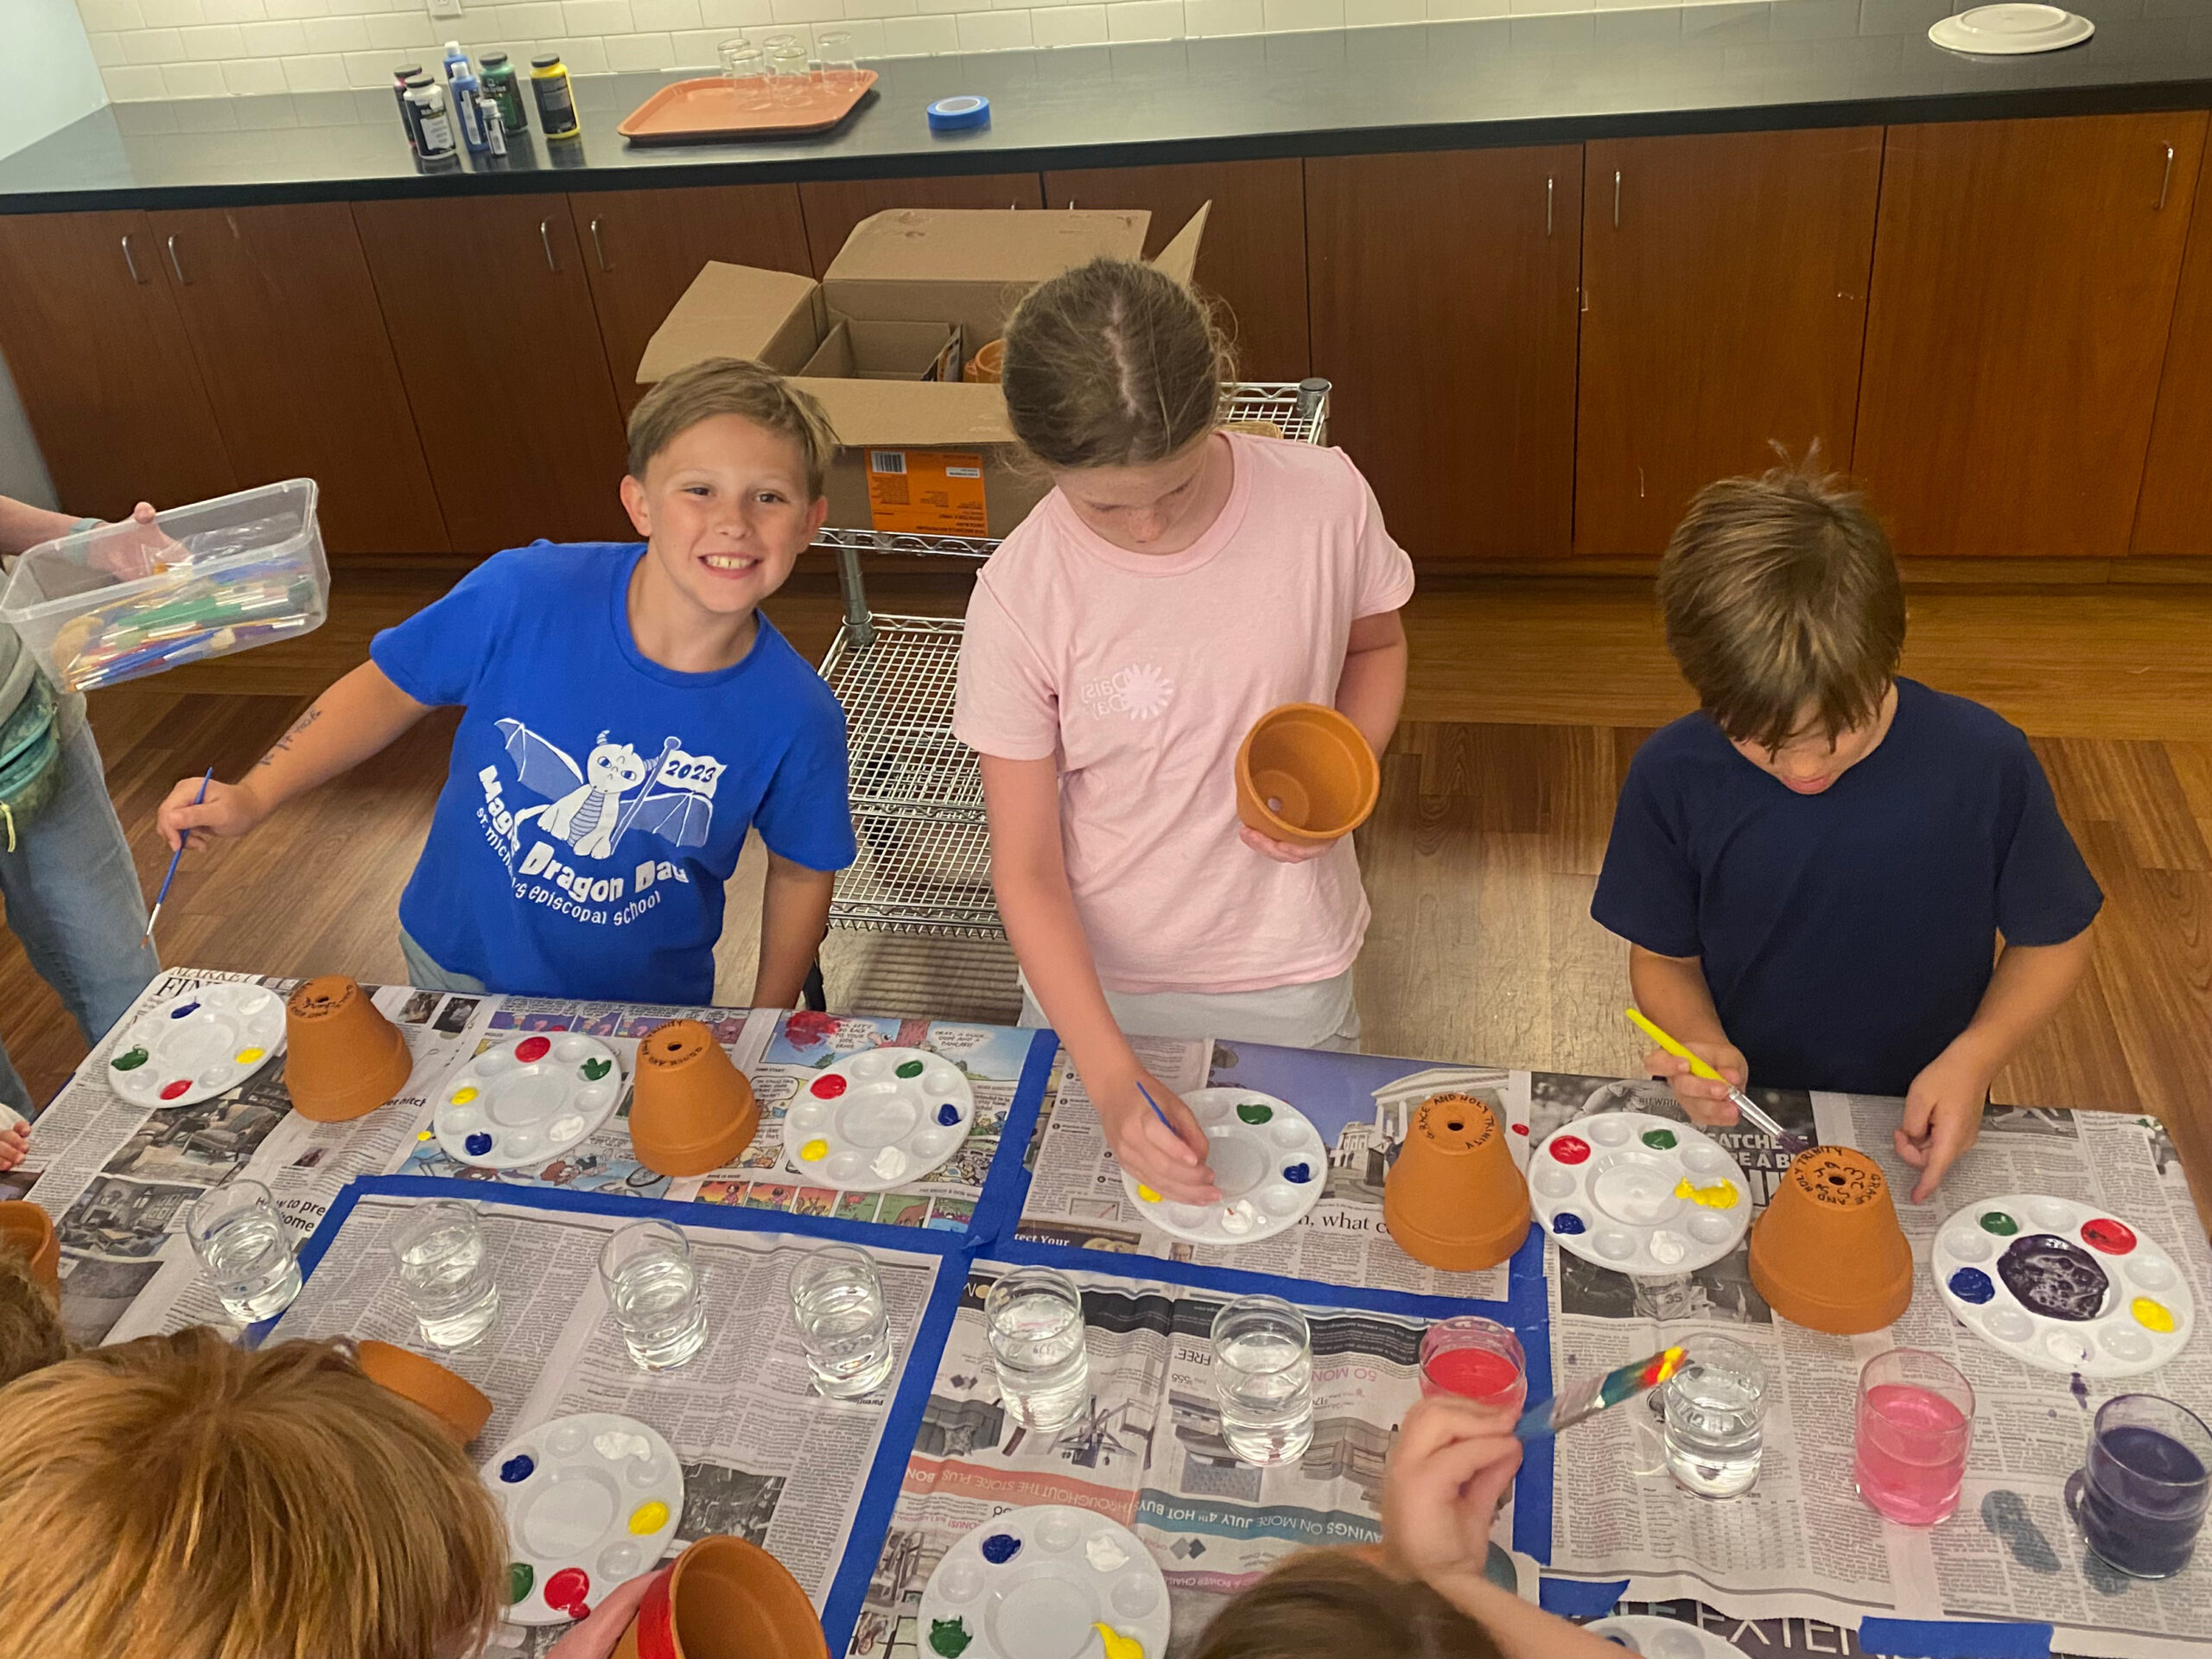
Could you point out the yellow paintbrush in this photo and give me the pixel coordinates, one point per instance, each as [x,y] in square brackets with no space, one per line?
[1745,1103]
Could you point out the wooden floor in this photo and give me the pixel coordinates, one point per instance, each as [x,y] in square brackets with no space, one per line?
[1528,698]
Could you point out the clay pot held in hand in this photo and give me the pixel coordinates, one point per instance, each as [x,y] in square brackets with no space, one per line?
[342,1058]
[1305,774]
[1827,1253]
[724,1598]
[26,1228]
[983,368]
[693,1110]
[460,1407]
[1453,1198]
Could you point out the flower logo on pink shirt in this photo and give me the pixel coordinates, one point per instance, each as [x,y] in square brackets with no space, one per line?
[1141,691]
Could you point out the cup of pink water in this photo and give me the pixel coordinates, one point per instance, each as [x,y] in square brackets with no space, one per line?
[1476,1358]
[1916,1422]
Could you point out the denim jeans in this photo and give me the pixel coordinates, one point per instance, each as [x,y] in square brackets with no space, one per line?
[426,975]
[74,898]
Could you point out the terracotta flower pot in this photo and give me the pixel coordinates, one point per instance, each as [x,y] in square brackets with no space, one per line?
[26,1227]
[1453,1198]
[1827,1253]
[1305,774]
[693,1110]
[342,1058]
[460,1407]
[984,369]
[724,1598]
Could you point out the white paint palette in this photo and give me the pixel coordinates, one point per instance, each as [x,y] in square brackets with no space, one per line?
[1039,1583]
[527,1101]
[879,1119]
[591,1501]
[1663,1638]
[1268,1159]
[1639,1193]
[2063,1286]
[193,1047]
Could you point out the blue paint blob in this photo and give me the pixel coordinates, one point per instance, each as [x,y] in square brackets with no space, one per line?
[1297,1174]
[948,1113]
[178,1013]
[478,1144]
[1566,1222]
[1972,1285]
[1001,1547]
[518,1468]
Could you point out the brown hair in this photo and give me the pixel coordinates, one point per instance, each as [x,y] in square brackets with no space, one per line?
[732,385]
[31,1337]
[1780,591]
[178,1498]
[1329,1604]
[1113,364]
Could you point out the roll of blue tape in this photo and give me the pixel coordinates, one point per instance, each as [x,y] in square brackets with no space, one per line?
[957,114]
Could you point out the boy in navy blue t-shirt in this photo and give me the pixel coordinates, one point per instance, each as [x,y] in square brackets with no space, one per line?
[628,714]
[1814,874]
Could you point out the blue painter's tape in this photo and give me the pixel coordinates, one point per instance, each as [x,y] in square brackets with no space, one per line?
[1954,1638]
[1574,1598]
[959,114]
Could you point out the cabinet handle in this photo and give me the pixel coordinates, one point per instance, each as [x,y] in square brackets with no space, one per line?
[177,266]
[1616,200]
[599,248]
[1549,184]
[545,236]
[2165,183]
[131,265]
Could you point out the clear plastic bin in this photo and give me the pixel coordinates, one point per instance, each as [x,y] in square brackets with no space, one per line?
[128,600]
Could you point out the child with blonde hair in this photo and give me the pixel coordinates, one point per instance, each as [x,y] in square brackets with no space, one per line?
[31,1337]
[1179,582]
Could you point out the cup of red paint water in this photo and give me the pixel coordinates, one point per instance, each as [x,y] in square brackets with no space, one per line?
[1477,1359]
[1916,1422]
[2139,1498]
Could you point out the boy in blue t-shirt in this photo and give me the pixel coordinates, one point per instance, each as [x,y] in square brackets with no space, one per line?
[1813,874]
[628,714]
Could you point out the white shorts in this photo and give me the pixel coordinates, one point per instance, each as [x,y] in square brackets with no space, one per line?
[1321,1015]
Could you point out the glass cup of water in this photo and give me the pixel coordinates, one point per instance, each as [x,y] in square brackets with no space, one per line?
[1916,1422]
[241,1242]
[1263,1374]
[837,1305]
[653,1288]
[1714,1407]
[445,1272]
[1034,1319]
[1477,1359]
[2139,1499]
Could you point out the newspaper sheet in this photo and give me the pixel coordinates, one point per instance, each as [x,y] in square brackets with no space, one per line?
[764,1457]
[1359,1102]
[1146,1451]
[1801,1542]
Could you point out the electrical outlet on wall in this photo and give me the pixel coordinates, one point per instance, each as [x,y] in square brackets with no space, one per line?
[444,9]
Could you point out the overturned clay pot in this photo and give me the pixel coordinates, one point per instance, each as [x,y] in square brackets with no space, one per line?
[342,1058]
[1453,1198]
[1827,1253]
[693,1109]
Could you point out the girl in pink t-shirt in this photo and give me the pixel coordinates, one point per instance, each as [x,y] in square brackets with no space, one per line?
[1178,583]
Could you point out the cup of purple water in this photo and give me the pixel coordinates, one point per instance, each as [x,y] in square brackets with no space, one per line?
[2139,1498]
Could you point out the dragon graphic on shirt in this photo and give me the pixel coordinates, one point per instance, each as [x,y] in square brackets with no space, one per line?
[617,789]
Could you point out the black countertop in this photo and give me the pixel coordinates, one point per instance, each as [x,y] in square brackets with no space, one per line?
[1506,80]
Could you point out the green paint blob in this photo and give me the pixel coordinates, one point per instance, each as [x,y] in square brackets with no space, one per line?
[910,1068]
[594,1070]
[1996,1222]
[520,1577]
[950,1637]
[1252,1112]
[1659,1139]
[130,1062]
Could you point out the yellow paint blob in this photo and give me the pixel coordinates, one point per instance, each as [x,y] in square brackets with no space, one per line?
[1149,1197]
[1117,1645]
[248,1056]
[461,1096]
[649,1518]
[815,1151]
[2152,1316]
[1721,1195]
[427,1134]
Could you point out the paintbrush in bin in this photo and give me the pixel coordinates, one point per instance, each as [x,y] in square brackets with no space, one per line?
[1596,1394]
[174,858]
[1792,1144]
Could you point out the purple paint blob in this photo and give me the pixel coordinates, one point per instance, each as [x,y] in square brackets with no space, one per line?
[1296,1174]
[1972,1285]
[1001,1547]
[2053,1277]
[1566,1222]
[948,1113]
[517,1469]
[478,1144]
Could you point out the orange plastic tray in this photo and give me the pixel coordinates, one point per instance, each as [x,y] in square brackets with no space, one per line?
[710,108]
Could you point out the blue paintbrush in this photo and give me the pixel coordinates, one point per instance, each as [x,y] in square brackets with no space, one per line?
[1156,1112]
[175,857]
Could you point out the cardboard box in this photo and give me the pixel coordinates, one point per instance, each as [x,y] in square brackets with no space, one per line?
[911,296]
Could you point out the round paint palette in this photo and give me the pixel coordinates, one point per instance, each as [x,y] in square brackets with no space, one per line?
[193,1047]
[591,1501]
[2063,1286]
[527,1101]
[1663,1638]
[879,1119]
[1051,1582]
[1268,1160]
[1639,1193]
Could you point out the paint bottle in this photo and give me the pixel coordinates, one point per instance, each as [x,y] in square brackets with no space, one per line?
[470,114]
[557,99]
[495,131]
[504,89]
[456,60]
[399,79]
[431,121]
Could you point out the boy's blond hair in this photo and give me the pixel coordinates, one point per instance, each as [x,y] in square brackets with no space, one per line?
[732,385]
[1333,1604]
[1779,592]
[31,1337]
[178,1498]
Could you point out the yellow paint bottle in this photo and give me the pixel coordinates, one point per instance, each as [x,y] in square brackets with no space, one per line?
[557,99]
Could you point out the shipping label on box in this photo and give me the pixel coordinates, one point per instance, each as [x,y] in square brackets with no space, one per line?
[927,491]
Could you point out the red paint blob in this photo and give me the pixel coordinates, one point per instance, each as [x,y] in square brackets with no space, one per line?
[1520,1129]
[171,1090]
[2112,1237]
[566,1590]
[829,1087]
[1475,1373]
[532,1048]
[1570,1150]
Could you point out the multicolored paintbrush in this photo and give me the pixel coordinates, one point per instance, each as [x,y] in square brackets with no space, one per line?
[1587,1399]
[1792,1144]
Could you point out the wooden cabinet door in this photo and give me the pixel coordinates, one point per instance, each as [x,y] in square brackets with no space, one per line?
[98,355]
[1724,307]
[642,248]
[490,310]
[2024,274]
[1443,296]
[2174,512]
[1254,256]
[833,206]
[283,320]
